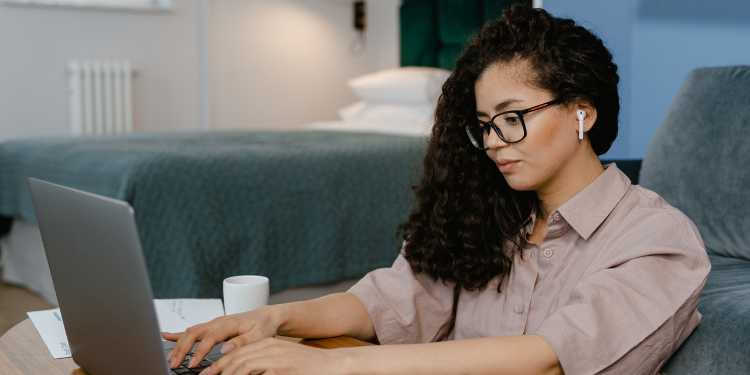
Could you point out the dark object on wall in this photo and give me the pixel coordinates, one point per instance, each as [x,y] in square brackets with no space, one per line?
[433,32]
[360,16]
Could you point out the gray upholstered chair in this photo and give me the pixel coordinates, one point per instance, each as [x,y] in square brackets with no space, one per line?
[698,160]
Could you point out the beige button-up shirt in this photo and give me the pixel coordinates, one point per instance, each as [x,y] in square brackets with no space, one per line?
[613,287]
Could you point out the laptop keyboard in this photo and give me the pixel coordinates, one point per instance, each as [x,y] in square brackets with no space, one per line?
[182,369]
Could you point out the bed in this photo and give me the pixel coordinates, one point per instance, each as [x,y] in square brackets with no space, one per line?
[302,207]
[312,207]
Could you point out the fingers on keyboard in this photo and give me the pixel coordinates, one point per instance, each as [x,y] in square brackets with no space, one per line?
[183,368]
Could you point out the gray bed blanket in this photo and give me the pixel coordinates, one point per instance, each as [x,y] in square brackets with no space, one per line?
[301,207]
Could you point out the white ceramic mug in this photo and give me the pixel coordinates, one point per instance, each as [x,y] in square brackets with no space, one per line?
[245,293]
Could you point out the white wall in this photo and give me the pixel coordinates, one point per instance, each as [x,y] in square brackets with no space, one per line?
[285,63]
[265,62]
[37,42]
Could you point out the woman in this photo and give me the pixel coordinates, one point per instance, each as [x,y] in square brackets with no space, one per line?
[524,255]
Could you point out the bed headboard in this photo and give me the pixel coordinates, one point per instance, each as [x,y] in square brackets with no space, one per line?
[433,32]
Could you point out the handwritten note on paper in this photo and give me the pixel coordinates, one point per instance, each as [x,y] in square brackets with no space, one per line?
[174,315]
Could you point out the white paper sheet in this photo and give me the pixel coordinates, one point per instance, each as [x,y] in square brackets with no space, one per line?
[174,315]
[49,324]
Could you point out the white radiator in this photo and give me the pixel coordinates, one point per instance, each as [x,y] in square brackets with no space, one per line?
[100,97]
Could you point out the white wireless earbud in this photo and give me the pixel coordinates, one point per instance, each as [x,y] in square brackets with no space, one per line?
[581,116]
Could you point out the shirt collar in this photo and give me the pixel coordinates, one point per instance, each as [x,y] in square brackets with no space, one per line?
[588,208]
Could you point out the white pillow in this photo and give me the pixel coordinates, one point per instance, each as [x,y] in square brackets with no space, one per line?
[405,85]
[388,114]
[350,112]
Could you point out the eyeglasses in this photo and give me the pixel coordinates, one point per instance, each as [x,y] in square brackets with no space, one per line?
[512,128]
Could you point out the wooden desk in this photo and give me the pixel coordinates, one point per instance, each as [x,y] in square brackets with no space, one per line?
[22,351]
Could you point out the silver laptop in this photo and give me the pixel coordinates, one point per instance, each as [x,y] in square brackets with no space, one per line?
[102,286]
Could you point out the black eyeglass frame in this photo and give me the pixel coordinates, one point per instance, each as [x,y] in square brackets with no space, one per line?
[484,125]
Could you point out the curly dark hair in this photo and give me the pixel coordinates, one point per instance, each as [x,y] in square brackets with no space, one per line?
[468,223]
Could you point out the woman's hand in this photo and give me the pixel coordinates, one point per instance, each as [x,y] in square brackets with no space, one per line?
[244,328]
[273,356]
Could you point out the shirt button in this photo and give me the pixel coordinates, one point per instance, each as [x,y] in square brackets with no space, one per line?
[518,309]
[547,253]
[556,217]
